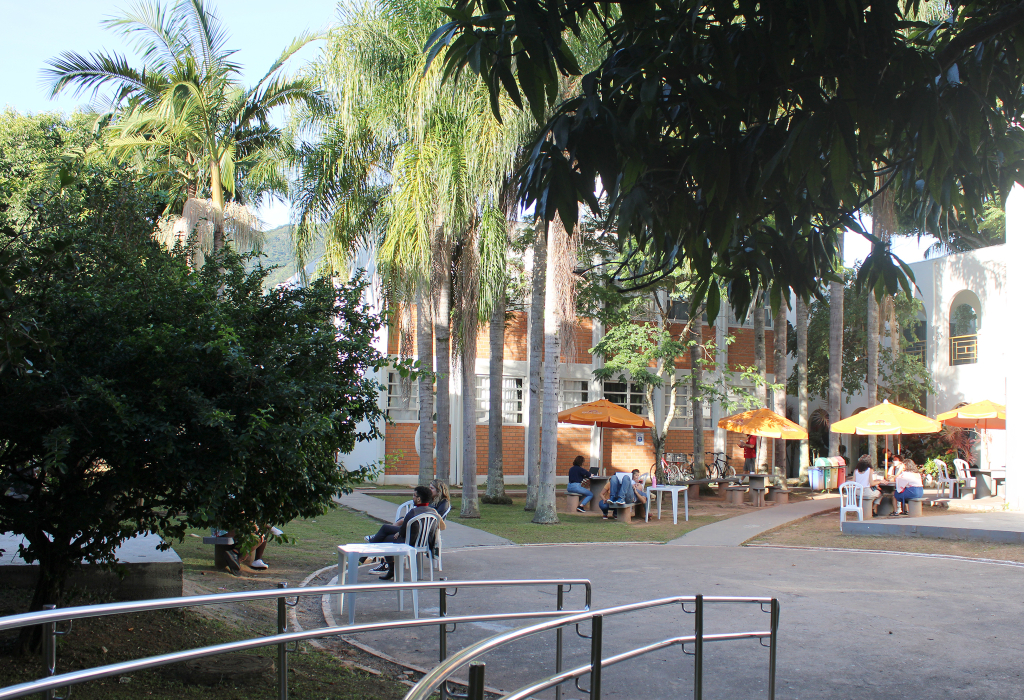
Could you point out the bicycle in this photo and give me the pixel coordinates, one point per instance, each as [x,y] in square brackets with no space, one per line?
[718,466]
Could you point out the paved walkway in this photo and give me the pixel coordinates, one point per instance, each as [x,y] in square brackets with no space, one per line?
[733,532]
[456,535]
[980,526]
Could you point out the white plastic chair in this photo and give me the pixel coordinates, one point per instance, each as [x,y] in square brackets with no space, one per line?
[403,509]
[963,473]
[418,533]
[437,540]
[945,484]
[851,500]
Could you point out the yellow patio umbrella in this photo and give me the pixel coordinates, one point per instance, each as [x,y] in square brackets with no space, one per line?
[603,414]
[763,422]
[886,419]
[980,415]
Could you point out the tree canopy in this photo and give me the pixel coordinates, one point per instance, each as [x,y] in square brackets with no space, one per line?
[741,137]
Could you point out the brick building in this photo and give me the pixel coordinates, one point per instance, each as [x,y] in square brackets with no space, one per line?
[577,385]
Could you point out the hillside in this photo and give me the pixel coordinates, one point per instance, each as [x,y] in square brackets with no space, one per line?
[277,251]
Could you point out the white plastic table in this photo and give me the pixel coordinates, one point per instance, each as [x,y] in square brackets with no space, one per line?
[674,490]
[368,549]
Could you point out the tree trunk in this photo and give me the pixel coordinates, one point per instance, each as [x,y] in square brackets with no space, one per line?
[872,378]
[425,386]
[54,568]
[535,359]
[442,364]
[696,400]
[470,502]
[761,362]
[835,356]
[217,195]
[545,512]
[495,464]
[781,376]
[801,367]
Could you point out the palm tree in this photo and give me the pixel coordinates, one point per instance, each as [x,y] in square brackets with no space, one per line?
[835,352]
[535,362]
[186,110]
[801,368]
[779,323]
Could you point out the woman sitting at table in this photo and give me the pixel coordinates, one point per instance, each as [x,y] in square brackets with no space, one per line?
[908,485]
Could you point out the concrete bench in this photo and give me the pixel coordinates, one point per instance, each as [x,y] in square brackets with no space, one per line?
[735,494]
[757,496]
[569,502]
[697,483]
[628,511]
[915,507]
[778,495]
[221,547]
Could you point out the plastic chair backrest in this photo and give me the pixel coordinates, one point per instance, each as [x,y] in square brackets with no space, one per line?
[403,509]
[851,494]
[419,530]
[962,470]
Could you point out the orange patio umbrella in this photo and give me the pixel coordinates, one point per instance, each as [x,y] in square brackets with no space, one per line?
[763,422]
[886,419]
[981,415]
[603,414]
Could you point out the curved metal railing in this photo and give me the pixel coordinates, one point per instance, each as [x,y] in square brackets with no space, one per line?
[437,677]
[49,618]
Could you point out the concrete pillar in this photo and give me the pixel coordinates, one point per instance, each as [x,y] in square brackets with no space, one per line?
[1014,377]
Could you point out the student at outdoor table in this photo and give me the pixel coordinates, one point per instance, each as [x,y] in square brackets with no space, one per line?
[908,485]
[750,454]
[639,495]
[396,533]
[864,475]
[440,498]
[578,475]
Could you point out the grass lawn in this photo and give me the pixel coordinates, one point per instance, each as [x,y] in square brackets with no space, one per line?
[315,674]
[514,523]
[823,531]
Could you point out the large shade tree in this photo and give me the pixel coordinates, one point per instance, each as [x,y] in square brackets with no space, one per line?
[706,119]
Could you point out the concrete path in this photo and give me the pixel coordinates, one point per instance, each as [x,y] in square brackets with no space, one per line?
[980,526]
[455,535]
[853,625]
[735,531]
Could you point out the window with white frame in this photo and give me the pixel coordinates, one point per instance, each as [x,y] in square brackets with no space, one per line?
[403,398]
[512,399]
[679,310]
[684,408]
[627,395]
[572,393]
[748,322]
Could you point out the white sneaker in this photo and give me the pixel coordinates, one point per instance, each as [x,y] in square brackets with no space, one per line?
[258,564]
[276,532]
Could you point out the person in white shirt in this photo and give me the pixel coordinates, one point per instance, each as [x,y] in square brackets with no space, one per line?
[908,485]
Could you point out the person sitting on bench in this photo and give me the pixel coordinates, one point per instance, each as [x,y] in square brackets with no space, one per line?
[908,485]
[622,492]
[577,476]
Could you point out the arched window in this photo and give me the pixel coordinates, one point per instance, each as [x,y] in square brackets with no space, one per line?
[964,321]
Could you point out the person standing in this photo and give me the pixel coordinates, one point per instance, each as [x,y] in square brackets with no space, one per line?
[750,454]
[578,475]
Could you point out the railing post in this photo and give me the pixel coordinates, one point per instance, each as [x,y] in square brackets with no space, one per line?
[442,608]
[698,648]
[50,650]
[282,648]
[476,682]
[596,631]
[772,646]
[558,642]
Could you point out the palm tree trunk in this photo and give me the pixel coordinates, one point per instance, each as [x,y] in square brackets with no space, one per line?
[835,355]
[495,464]
[872,378]
[217,195]
[424,352]
[470,503]
[535,359]
[781,375]
[545,511]
[761,362]
[442,364]
[801,368]
[696,400]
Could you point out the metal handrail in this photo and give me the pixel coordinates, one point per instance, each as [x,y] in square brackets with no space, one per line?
[48,618]
[40,617]
[435,678]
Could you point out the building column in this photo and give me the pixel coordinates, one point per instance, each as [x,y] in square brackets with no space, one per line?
[596,392]
[1014,377]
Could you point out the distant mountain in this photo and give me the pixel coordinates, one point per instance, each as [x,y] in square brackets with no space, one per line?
[277,251]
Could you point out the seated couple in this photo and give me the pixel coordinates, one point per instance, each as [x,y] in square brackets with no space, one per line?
[426,499]
[621,490]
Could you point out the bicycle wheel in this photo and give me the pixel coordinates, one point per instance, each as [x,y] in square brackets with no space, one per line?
[729,471]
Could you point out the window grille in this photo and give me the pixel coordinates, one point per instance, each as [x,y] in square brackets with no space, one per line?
[627,395]
[512,399]
[748,322]
[403,398]
[684,408]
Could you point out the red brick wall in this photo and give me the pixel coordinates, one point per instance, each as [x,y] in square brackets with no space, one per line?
[572,441]
[621,450]
[741,352]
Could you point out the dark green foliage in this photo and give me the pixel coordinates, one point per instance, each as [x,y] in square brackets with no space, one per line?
[169,398]
[739,137]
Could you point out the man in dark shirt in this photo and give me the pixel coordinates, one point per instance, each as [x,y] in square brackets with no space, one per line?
[577,474]
[421,499]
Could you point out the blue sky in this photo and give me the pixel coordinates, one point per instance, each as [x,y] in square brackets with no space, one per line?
[35,31]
